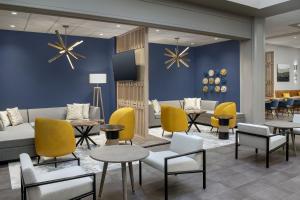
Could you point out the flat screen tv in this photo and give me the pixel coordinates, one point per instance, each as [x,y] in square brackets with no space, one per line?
[124,66]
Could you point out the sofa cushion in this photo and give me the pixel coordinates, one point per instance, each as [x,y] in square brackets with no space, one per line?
[185,163]
[20,135]
[192,103]
[4,119]
[260,143]
[85,109]
[208,104]
[175,103]
[74,112]
[63,190]
[51,113]
[156,106]
[14,116]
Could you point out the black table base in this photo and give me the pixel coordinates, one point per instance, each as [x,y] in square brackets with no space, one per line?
[193,121]
[84,131]
[224,135]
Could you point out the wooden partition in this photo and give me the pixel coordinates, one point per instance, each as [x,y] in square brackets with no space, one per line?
[135,93]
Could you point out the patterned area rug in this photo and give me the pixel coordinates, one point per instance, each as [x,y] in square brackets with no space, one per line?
[210,141]
[210,138]
[87,163]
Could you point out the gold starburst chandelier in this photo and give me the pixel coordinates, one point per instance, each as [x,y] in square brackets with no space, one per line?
[63,49]
[177,57]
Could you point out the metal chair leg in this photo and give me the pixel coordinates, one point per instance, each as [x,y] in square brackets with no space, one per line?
[163,133]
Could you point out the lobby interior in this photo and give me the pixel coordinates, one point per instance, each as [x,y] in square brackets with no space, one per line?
[185,99]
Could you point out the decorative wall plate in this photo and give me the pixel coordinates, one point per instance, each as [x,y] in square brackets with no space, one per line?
[205,81]
[217,89]
[217,80]
[224,89]
[211,80]
[223,72]
[205,88]
[211,72]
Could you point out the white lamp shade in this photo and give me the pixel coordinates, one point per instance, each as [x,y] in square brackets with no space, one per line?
[97,78]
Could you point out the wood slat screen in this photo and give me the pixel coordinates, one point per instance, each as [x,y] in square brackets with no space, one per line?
[135,93]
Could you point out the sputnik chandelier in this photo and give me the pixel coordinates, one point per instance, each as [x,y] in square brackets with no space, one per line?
[177,57]
[63,49]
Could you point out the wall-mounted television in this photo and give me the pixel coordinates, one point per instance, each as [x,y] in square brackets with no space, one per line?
[124,66]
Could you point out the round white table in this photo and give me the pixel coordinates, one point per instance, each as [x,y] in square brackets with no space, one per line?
[119,154]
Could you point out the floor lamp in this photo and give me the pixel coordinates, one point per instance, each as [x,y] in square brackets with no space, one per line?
[97,95]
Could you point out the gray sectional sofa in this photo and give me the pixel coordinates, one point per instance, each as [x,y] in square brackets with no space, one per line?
[204,119]
[20,139]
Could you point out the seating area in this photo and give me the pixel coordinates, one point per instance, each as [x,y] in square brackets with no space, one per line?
[149,100]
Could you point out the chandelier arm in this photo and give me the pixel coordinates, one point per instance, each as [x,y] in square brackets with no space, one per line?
[79,55]
[55,46]
[70,62]
[184,51]
[170,52]
[60,39]
[168,67]
[170,60]
[54,58]
[184,63]
[71,54]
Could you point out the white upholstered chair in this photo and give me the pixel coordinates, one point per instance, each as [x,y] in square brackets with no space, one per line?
[260,138]
[67,183]
[296,131]
[186,155]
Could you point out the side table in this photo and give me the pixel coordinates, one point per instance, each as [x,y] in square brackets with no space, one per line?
[112,133]
[224,123]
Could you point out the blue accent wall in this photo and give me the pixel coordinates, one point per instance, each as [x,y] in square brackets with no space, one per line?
[218,56]
[178,83]
[175,83]
[27,80]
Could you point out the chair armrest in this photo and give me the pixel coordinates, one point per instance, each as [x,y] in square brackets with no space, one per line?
[30,185]
[257,135]
[155,145]
[186,154]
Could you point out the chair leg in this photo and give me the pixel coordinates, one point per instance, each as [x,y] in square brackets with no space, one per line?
[140,172]
[166,185]
[267,159]
[39,159]
[163,133]
[256,150]
[55,164]
[130,142]
[78,159]
[172,134]
[211,129]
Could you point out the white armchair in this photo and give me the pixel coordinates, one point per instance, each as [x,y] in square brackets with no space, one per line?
[186,155]
[68,183]
[260,137]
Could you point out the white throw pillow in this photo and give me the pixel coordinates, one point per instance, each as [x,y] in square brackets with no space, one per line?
[14,116]
[85,109]
[192,103]
[156,106]
[4,118]
[74,112]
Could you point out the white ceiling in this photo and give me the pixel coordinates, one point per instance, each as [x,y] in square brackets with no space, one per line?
[259,4]
[88,28]
[280,32]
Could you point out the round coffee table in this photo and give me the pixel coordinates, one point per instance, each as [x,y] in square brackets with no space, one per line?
[84,127]
[286,127]
[224,123]
[119,154]
[112,133]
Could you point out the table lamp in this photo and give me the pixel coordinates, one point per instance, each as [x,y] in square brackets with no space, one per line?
[98,79]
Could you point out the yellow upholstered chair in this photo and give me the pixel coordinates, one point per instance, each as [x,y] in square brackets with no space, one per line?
[126,117]
[227,108]
[173,119]
[54,138]
[286,95]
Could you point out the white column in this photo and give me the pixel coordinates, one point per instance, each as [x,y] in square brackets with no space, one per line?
[252,71]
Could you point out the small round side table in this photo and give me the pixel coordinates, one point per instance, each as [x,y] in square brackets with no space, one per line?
[224,123]
[112,133]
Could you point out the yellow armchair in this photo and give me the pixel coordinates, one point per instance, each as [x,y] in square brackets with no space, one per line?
[227,108]
[126,117]
[54,138]
[173,119]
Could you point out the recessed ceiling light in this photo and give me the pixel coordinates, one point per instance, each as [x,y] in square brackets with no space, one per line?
[157,30]
[298,24]
[12,26]
[192,43]
[216,38]
[101,34]
[295,37]
[14,13]
[118,25]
